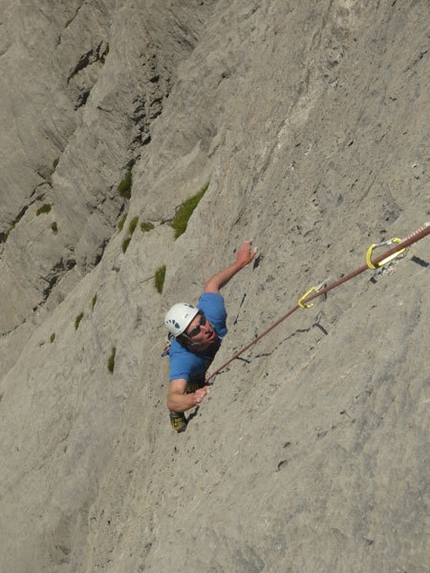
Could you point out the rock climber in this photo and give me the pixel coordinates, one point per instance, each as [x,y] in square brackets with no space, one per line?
[196,333]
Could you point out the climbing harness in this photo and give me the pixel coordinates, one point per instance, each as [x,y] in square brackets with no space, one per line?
[398,247]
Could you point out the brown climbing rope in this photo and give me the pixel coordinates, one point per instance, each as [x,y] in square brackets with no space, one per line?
[398,247]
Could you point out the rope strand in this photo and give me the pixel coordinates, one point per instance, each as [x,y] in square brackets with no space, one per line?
[410,239]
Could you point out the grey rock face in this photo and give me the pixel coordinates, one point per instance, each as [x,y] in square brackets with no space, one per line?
[310,123]
[95,55]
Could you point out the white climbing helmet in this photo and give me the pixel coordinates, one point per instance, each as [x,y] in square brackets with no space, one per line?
[179,317]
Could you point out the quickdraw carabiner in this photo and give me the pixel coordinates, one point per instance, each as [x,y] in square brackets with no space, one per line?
[384,261]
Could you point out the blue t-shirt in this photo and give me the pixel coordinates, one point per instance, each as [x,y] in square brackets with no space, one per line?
[191,365]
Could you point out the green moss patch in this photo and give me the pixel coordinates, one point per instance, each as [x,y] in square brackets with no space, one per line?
[185,211]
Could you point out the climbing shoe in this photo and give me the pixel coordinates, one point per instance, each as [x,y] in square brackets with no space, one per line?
[178,421]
